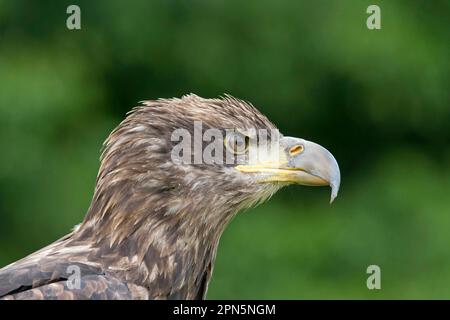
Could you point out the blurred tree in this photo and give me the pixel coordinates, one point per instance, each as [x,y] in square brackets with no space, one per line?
[378,99]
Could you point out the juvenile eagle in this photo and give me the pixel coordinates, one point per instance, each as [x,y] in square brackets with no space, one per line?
[153,226]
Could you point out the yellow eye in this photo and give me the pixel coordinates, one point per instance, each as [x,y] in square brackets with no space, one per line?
[237,143]
[297,149]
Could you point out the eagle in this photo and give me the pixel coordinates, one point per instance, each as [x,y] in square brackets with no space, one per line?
[154,223]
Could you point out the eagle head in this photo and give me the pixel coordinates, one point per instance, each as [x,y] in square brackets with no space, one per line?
[196,162]
[172,175]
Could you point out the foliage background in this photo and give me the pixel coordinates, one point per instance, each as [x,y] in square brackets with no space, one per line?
[379,100]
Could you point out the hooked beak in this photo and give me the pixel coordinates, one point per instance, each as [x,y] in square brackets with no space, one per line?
[301,162]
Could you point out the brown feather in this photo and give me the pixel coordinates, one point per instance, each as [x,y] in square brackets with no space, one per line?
[153,227]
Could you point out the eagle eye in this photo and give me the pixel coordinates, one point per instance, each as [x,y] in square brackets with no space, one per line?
[237,143]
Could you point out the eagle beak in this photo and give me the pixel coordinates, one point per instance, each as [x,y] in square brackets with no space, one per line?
[301,162]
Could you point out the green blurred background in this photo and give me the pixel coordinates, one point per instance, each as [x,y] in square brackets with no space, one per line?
[378,100]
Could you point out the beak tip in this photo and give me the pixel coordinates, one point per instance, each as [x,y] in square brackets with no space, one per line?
[335,182]
[334,193]
[332,199]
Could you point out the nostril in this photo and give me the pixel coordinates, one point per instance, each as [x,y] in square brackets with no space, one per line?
[296,150]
